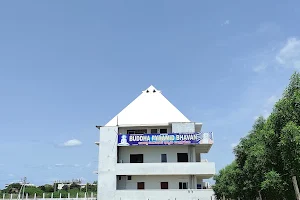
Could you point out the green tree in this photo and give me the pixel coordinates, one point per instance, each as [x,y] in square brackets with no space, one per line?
[47,188]
[273,185]
[74,186]
[90,187]
[13,188]
[65,188]
[226,182]
[290,148]
[268,157]
[33,190]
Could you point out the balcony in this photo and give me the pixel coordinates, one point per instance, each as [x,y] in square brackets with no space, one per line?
[207,194]
[203,169]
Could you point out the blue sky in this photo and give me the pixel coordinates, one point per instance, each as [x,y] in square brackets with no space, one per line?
[66,66]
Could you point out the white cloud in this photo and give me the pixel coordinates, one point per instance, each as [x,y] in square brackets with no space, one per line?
[72,143]
[268,28]
[226,22]
[289,55]
[266,114]
[261,59]
[272,100]
[89,165]
[268,106]
[233,145]
[281,54]
[260,67]
[65,165]
[51,180]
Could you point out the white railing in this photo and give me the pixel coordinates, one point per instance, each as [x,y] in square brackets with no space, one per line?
[178,168]
[189,194]
[58,199]
[44,196]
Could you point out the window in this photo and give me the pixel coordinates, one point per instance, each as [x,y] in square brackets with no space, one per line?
[136,158]
[153,130]
[182,157]
[140,185]
[141,131]
[183,185]
[164,185]
[120,178]
[163,157]
[163,130]
[129,178]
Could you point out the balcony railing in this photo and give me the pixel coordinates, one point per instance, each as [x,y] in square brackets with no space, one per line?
[203,169]
[190,194]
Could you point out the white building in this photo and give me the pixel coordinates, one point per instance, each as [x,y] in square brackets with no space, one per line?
[61,184]
[151,151]
[21,183]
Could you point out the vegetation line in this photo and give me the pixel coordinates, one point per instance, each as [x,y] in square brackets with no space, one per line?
[269,156]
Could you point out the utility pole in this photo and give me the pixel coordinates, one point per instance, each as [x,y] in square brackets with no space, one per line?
[296,187]
[86,194]
[24,183]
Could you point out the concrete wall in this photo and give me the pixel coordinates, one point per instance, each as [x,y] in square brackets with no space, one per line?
[164,195]
[152,154]
[175,127]
[109,168]
[205,169]
[151,182]
[124,129]
[183,127]
[107,163]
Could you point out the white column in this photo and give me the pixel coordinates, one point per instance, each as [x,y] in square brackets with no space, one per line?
[3,196]
[194,153]
[60,195]
[51,195]
[85,195]
[34,195]
[92,194]
[68,195]
[107,182]
[190,184]
[195,182]
[10,196]
[43,195]
[77,195]
[26,195]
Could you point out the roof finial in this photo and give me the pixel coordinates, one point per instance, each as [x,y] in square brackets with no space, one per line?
[151,89]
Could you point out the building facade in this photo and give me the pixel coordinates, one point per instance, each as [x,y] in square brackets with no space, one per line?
[151,151]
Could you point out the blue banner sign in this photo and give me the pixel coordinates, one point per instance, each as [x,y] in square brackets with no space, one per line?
[165,139]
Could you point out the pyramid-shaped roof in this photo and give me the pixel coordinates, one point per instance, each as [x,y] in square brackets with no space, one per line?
[149,108]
